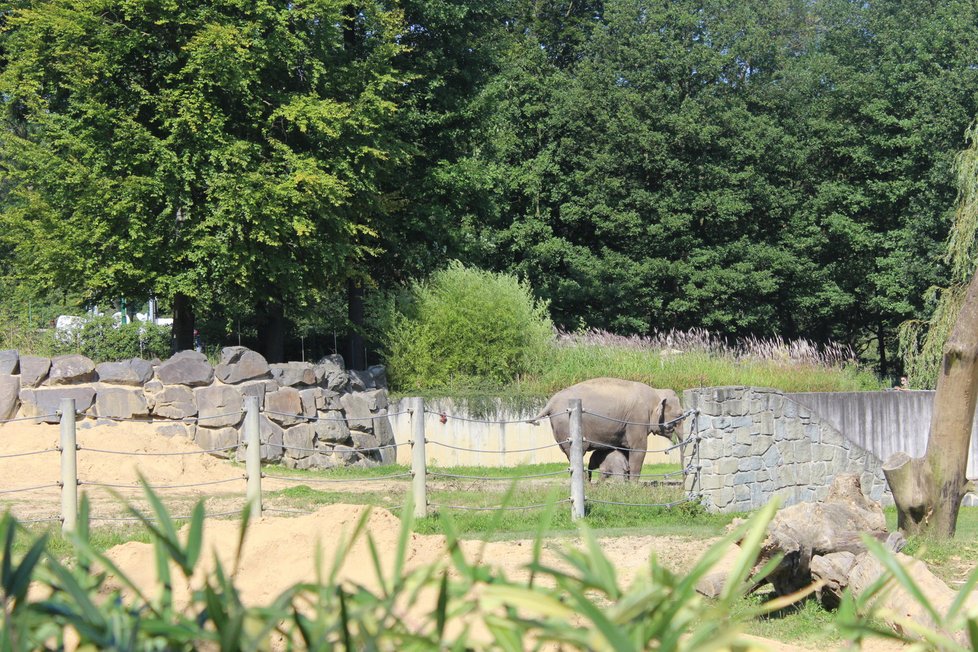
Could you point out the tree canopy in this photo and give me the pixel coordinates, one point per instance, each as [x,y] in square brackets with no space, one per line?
[781,168]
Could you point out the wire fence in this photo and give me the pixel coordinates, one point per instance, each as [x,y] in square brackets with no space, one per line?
[574,447]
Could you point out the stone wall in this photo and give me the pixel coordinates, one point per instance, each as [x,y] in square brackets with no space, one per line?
[757,443]
[312,415]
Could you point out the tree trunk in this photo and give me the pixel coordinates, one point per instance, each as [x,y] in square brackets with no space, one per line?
[928,490]
[355,358]
[271,332]
[881,341]
[183,323]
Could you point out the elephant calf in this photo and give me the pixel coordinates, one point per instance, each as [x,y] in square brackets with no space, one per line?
[618,414]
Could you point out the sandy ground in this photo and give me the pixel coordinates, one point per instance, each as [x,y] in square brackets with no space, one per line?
[279,550]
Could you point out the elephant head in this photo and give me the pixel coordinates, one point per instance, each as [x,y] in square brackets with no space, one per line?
[666,414]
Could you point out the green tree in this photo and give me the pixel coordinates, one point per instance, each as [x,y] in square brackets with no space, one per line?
[217,154]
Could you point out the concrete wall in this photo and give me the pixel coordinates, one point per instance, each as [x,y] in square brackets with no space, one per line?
[882,422]
[484,432]
[756,443]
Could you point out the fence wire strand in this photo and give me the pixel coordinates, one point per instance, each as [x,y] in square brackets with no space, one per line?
[148,454]
[678,419]
[40,452]
[622,504]
[487,421]
[43,416]
[34,488]
[303,417]
[161,486]
[602,445]
[407,474]
[498,508]
[122,519]
[436,474]
[480,450]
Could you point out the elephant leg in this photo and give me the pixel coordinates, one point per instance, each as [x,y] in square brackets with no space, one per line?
[637,442]
[597,458]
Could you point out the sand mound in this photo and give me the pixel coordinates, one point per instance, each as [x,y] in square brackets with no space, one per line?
[130,443]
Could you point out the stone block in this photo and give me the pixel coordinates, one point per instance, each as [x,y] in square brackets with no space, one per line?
[217,439]
[803,451]
[360,381]
[9,362]
[134,372]
[335,379]
[727,466]
[175,402]
[312,400]
[258,388]
[284,406]
[736,408]
[34,370]
[272,438]
[299,440]
[385,438]
[787,476]
[741,450]
[743,436]
[751,463]
[379,374]
[376,399]
[763,475]
[239,363]
[186,368]
[790,409]
[9,396]
[803,474]
[365,463]
[120,403]
[332,427]
[47,400]
[345,455]
[218,406]
[710,482]
[760,444]
[771,458]
[290,374]
[366,444]
[331,400]
[357,411]
[794,430]
[710,449]
[723,497]
[314,461]
[71,370]
[187,430]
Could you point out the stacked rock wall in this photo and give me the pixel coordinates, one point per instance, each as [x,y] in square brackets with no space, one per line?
[312,415]
[757,444]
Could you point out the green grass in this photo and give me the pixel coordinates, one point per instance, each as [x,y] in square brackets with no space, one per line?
[572,364]
[952,560]
[807,623]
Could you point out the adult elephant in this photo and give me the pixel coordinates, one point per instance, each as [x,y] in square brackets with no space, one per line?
[618,414]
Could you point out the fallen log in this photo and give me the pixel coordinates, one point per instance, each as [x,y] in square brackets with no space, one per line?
[822,544]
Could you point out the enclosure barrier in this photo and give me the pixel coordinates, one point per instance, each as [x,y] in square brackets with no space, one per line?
[419,473]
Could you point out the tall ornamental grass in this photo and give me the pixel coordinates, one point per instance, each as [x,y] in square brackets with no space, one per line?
[468,327]
[683,359]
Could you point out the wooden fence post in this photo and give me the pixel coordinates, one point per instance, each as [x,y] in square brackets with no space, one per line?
[419,465]
[69,467]
[576,459]
[252,436]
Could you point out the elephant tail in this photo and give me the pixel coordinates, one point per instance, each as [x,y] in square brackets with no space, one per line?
[545,412]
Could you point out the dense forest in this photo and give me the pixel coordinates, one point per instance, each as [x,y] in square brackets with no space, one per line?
[759,167]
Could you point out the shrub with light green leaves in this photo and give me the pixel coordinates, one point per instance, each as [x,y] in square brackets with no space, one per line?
[467,326]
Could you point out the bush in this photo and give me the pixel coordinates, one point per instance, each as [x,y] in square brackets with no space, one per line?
[101,339]
[467,326]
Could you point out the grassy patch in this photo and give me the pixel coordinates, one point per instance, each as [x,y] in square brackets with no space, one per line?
[952,560]
[807,623]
